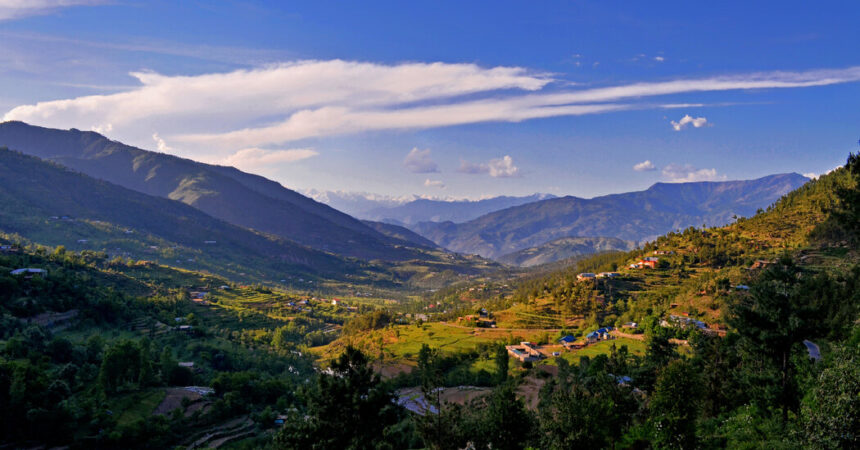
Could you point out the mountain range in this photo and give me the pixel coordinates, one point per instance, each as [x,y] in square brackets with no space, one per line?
[412,211]
[633,216]
[226,193]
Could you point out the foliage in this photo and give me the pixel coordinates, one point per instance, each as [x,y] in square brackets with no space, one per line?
[348,409]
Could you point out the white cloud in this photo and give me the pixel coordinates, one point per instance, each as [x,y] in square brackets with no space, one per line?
[645,166]
[811,175]
[160,145]
[497,168]
[103,129]
[698,122]
[659,58]
[258,158]
[676,173]
[418,161]
[276,104]
[503,167]
[434,183]
[16,9]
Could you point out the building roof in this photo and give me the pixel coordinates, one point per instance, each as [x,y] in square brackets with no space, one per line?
[27,270]
[567,338]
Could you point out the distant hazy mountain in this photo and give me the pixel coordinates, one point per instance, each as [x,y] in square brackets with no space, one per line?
[224,192]
[562,249]
[50,204]
[634,216]
[412,211]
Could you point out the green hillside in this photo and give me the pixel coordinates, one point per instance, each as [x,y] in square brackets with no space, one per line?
[226,193]
[49,204]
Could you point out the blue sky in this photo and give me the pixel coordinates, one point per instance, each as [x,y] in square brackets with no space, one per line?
[449,99]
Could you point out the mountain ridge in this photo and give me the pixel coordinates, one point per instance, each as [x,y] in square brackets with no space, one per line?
[237,197]
[411,212]
[633,216]
[51,204]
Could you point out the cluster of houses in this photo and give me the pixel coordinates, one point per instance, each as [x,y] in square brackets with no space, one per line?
[482,319]
[9,249]
[571,343]
[649,262]
[199,297]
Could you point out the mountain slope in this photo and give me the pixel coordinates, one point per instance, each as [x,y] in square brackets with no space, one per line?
[633,216]
[564,248]
[402,233]
[224,192]
[50,204]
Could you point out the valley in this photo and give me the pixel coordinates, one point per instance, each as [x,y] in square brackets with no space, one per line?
[132,318]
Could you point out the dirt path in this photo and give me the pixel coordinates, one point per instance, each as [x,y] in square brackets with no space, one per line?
[635,337]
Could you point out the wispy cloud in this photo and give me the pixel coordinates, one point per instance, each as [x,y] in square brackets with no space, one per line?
[434,183]
[677,173]
[497,168]
[160,144]
[697,122]
[257,158]
[419,161]
[16,9]
[276,104]
[645,166]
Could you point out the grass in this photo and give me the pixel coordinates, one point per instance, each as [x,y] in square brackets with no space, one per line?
[138,405]
[403,342]
[600,348]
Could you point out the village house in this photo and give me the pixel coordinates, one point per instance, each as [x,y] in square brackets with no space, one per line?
[599,334]
[586,276]
[29,272]
[649,263]
[567,339]
[683,322]
[525,352]
[9,249]
[608,275]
